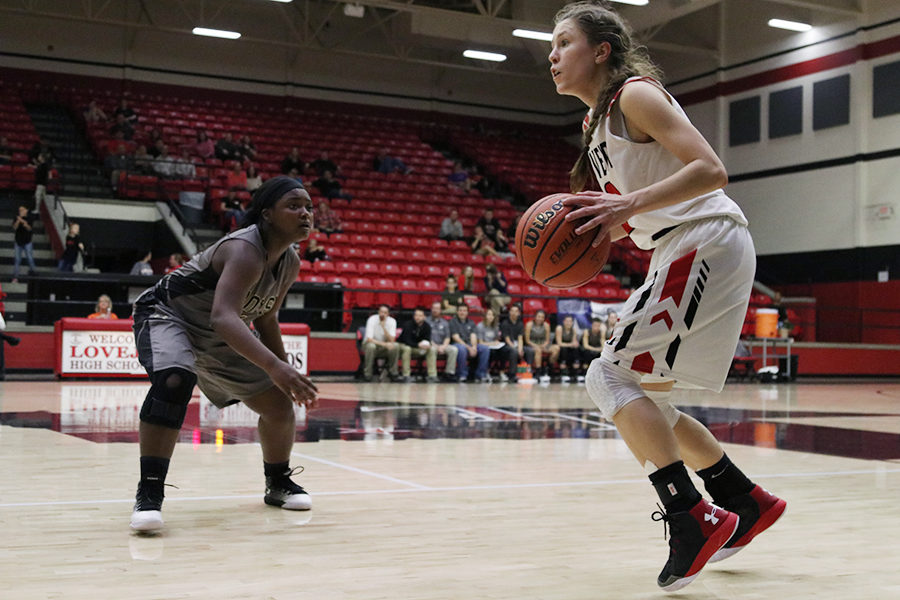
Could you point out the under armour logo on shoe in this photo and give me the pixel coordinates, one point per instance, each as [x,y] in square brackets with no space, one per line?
[711,516]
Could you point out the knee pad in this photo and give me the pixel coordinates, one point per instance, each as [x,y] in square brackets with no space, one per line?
[611,387]
[168,398]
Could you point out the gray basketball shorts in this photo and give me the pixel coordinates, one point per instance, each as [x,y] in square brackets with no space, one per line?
[165,341]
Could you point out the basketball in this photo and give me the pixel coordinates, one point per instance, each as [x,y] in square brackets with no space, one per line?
[549,249]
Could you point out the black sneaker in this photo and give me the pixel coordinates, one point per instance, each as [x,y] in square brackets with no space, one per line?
[758,511]
[147,515]
[282,492]
[694,536]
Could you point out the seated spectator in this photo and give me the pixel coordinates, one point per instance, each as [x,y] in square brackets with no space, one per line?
[488,334]
[462,334]
[592,341]
[293,162]
[126,111]
[5,151]
[163,165]
[380,342]
[481,244]
[155,143]
[232,211]
[184,166]
[226,149]
[112,145]
[326,220]
[539,338]
[94,114]
[294,174]
[459,177]
[451,227]
[513,331]
[609,325]
[175,262]
[41,148]
[142,161]
[143,266]
[330,187]
[118,163]
[204,147]
[314,251]
[415,340]
[389,164]
[254,179]
[73,248]
[569,349]
[103,309]
[489,224]
[467,280]
[246,148]
[323,163]
[495,284]
[237,178]
[452,297]
[440,341]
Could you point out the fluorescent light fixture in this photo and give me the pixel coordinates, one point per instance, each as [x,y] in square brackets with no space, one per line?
[285,1]
[790,25]
[478,54]
[357,11]
[633,2]
[219,33]
[533,35]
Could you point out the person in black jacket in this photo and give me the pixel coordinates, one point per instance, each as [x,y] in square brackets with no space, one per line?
[416,338]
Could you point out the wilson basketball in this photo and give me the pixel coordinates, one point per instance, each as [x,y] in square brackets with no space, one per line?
[549,249]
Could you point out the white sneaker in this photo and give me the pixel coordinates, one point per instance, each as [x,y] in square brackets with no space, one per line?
[504,377]
[147,514]
[281,491]
[146,520]
[544,379]
[565,379]
[580,379]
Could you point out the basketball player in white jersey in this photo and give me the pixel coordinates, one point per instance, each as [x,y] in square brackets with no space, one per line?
[193,327]
[661,183]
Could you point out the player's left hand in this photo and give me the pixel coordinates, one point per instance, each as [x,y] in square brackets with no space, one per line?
[604,211]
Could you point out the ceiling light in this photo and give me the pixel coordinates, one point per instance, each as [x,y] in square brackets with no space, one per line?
[633,2]
[492,56]
[285,1]
[219,33]
[791,25]
[533,35]
[357,11]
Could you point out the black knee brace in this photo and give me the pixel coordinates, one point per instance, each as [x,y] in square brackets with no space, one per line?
[168,398]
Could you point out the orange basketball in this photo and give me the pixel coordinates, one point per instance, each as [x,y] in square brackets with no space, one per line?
[549,249]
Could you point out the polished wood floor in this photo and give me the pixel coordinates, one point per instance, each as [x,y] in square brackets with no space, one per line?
[439,492]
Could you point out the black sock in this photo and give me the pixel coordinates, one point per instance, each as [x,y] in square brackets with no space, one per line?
[675,488]
[724,480]
[276,469]
[154,469]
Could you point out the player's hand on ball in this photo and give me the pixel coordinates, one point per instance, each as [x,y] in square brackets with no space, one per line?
[603,211]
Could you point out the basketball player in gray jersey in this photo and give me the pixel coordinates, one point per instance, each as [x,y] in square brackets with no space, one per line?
[193,327]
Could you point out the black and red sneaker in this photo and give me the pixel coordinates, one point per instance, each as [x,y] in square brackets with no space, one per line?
[758,510]
[694,536]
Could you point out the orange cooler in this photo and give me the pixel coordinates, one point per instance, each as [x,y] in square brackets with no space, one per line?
[766,323]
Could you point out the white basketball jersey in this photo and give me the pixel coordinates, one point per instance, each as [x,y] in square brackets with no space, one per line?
[621,166]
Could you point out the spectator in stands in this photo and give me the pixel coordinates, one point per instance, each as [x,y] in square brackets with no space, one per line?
[495,284]
[295,174]
[482,244]
[237,178]
[451,227]
[323,163]
[569,348]
[513,331]
[23,226]
[142,266]
[501,244]
[232,211]
[592,341]
[415,339]
[5,151]
[468,280]
[452,297]
[143,162]
[73,248]
[163,165]
[293,162]
[314,251]
[94,114]
[383,163]
[204,147]
[226,149]
[41,148]
[489,224]
[118,163]
[41,180]
[254,179]
[459,177]
[440,341]
[126,111]
[175,262]
[103,309]
[155,143]
[326,220]
[184,166]
[488,334]
[380,342]
[610,324]
[462,334]
[246,148]
[122,126]
[330,187]
[540,339]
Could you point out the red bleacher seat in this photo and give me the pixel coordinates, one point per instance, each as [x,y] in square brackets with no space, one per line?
[363,296]
[324,266]
[346,267]
[531,306]
[387,293]
[409,298]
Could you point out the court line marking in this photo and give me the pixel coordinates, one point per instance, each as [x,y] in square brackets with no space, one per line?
[499,486]
[331,463]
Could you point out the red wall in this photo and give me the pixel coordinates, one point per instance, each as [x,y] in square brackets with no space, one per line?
[865,312]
